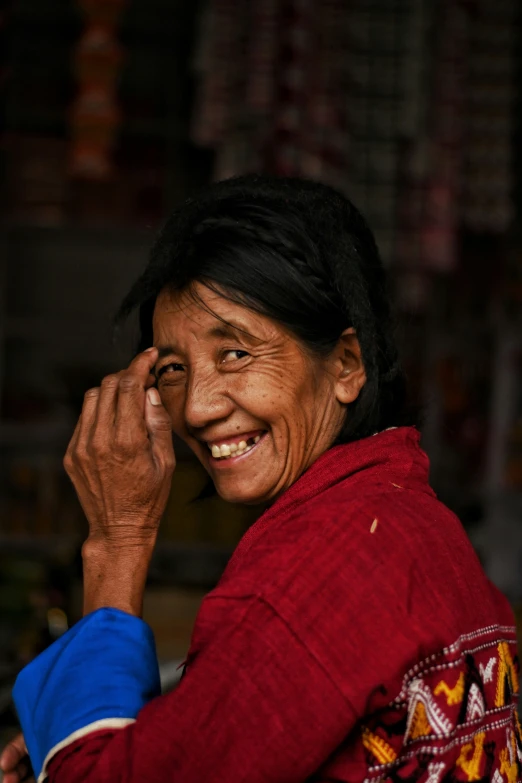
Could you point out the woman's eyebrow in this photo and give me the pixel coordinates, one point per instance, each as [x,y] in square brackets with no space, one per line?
[166,350]
[221,331]
[231,330]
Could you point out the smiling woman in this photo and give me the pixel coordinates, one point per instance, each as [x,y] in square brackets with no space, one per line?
[288,275]
[255,405]
[353,635]
[301,255]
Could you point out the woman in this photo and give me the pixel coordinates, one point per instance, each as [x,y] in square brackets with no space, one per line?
[354,635]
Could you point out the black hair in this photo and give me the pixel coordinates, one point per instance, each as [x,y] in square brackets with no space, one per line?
[298,252]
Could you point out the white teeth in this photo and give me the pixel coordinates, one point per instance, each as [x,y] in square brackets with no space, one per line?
[225,451]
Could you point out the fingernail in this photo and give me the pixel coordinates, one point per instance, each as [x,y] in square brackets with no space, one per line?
[154,397]
[149,350]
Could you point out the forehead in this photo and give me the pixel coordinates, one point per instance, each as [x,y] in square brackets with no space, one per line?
[205,314]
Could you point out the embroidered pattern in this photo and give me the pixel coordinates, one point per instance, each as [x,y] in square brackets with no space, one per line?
[518,735]
[421,694]
[453,695]
[383,752]
[507,768]
[454,719]
[506,676]
[476,707]
[435,770]
[470,757]
[419,725]
[487,672]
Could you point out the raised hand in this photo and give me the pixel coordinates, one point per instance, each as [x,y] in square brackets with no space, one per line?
[120,460]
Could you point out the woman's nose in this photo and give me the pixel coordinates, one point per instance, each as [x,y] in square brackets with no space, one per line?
[206,401]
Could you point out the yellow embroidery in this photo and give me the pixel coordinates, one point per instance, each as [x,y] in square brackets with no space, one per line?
[471,757]
[507,767]
[453,695]
[505,669]
[420,726]
[518,727]
[383,752]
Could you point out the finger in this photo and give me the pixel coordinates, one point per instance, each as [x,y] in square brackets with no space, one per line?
[22,773]
[130,426]
[142,366]
[159,428]
[25,770]
[13,753]
[86,422]
[68,460]
[106,406]
[130,429]
[143,363]
[19,777]
[74,438]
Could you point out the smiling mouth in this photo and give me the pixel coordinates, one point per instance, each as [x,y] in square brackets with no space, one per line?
[227,452]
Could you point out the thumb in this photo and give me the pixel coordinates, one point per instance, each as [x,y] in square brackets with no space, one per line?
[159,427]
[13,753]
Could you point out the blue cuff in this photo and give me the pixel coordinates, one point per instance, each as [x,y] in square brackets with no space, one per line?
[105,666]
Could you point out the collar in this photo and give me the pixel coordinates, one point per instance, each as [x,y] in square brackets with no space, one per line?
[393,456]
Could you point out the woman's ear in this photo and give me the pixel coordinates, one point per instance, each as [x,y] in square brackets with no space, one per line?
[350,372]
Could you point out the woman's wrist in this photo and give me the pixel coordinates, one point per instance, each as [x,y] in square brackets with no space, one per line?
[115,575]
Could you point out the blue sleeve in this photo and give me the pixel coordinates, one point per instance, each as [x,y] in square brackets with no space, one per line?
[103,668]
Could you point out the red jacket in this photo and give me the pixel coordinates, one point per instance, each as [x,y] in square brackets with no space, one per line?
[353,637]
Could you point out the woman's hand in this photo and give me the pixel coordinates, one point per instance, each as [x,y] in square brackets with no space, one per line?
[14,762]
[120,460]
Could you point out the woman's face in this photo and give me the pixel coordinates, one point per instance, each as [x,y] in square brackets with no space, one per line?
[253,405]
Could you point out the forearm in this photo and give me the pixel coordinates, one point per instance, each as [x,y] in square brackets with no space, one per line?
[115,576]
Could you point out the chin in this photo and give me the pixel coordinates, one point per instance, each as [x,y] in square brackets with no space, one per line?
[245,497]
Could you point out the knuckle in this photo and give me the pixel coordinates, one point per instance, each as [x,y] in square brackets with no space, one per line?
[99,446]
[168,458]
[128,383]
[110,381]
[68,462]
[91,393]
[79,455]
[163,424]
[125,447]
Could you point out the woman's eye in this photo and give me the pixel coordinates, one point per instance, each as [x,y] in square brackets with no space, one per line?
[233,356]
[169,368]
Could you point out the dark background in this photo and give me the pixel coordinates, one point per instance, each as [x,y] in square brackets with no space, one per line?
[114,111]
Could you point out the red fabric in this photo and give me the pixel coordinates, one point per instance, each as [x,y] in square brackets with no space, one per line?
[353,636]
